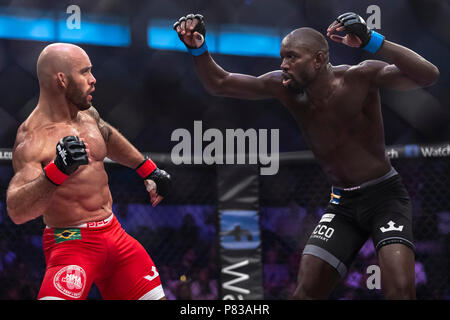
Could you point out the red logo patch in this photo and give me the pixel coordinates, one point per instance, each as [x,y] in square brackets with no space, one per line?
[70,281]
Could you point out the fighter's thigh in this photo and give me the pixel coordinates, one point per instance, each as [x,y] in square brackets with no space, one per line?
[328,254]
[393,240]
[133,276]
[316,278]
[66,282]
[336,240]
[397,271]
[392,223]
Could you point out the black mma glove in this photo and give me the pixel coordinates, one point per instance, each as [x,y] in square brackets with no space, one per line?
[70,154]
[149,170]
[200,28]
[355,24]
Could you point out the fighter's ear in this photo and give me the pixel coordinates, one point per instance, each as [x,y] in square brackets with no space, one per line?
[61,80]
[320,59]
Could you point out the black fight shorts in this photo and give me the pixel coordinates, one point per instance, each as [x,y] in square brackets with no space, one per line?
[380,209]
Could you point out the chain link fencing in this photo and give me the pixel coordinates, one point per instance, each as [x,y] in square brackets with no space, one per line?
[181,234]
[293,201]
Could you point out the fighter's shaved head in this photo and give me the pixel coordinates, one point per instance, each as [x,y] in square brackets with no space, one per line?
[307,38]
[55,58]
[64,70]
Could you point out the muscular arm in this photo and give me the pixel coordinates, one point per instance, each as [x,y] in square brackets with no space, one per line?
[191,31]
[408,69]
[219,82]
[29,191]
[119,149]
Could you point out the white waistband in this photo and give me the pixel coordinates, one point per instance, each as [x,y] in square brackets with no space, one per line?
[93,224]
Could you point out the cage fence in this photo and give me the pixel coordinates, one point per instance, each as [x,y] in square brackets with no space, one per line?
[182,233]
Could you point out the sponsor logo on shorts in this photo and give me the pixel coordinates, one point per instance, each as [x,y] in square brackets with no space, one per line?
[70,281]
[391,227]
[152,276]
[327,217]
[97,224]
[322,232]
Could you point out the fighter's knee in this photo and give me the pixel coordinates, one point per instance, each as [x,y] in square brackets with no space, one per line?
[300,294]
[305,291]
[400,290]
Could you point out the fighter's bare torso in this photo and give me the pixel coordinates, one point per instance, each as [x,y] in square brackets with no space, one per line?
[85,196]
[345,130]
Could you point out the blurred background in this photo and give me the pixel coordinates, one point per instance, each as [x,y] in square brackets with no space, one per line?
[147,87]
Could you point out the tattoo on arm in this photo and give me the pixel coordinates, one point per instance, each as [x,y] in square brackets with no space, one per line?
[103,126]
[105,130]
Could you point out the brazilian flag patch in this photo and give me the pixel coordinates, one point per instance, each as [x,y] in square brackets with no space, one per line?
[62,235]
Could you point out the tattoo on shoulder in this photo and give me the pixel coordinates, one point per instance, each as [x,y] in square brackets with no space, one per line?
[104,128]
[94,113]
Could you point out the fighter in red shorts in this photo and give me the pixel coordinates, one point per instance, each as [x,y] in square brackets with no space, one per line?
[83,241]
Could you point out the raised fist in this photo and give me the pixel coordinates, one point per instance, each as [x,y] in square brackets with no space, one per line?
[191,30]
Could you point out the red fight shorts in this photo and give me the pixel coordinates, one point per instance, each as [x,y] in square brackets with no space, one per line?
[101,253]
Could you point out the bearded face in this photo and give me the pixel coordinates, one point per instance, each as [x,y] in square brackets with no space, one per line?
[79,96]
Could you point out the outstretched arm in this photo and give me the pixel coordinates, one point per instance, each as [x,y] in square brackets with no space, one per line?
[406,70]
[217,81]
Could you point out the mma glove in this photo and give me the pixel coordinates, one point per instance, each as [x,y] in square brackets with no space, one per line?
[149,170]
[70,154]
[354,24]
[200,28]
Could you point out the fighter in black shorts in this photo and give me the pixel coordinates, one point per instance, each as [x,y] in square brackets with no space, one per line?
[338,110]
[379,208]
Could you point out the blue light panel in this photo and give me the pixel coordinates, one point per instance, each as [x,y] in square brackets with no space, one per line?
[249,41]
[26,24]
[231,39]
[17,23]
[164,38]
[117,35]
[26,27]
